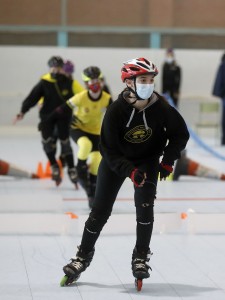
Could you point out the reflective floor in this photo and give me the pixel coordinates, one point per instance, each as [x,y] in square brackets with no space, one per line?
[41,226]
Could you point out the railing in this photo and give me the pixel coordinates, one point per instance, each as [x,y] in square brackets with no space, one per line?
[155,33]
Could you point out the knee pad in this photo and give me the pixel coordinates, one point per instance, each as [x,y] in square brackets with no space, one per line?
[96,221]
[49,144]
[145,196]
[94,161]
[85,146]
[145,214]
[66,147]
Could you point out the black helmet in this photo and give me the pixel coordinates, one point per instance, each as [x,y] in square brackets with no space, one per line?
[91,73]
[55,61]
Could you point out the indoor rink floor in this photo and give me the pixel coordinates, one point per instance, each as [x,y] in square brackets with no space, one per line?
[41,226]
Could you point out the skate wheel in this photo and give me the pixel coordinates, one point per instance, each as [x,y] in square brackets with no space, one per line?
[58,182]
[63,282]
[68,280]
[138,284]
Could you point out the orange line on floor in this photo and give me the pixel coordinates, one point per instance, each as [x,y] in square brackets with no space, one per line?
[159,199]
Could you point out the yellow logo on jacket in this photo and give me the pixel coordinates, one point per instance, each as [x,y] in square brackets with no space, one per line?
[65,92]
[138,134]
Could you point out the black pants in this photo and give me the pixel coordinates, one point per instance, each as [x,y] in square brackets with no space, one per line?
[49,139]
[108,186]
[61,125]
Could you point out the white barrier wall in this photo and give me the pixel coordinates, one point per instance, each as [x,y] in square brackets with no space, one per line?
[21,68]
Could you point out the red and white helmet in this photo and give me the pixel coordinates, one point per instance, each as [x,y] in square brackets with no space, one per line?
[137,66]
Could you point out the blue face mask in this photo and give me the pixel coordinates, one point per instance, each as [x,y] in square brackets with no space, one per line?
[144,91]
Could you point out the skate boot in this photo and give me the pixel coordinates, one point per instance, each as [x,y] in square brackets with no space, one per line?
[77,265]
[83,177]
[140,267]
[62,160]
[72,172]
[56,174]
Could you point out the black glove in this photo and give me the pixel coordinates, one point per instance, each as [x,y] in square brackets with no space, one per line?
[137,176]
[165,170]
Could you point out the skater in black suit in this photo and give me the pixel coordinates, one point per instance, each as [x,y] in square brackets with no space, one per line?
[141,138]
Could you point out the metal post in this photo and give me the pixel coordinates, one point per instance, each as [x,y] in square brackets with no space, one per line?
[62,39]
[62,35]
[155,40]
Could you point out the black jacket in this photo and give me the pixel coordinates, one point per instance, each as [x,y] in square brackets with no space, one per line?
[54,93]
[171,78]
[129,135]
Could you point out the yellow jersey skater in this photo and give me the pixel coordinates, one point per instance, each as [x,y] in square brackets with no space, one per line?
[88,109]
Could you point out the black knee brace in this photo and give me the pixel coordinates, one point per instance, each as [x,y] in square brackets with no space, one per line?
[145,214]
[49,144]
[66,147]
[96,221]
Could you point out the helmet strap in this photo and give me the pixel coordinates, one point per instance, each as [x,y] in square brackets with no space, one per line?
[134,91]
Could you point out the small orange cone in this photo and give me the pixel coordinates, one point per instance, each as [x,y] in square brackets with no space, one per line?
[48,171]
[72,215]
[40,171]
[183,215]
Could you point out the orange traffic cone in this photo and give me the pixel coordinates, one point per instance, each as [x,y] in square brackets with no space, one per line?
[48,171]
[8,169]
[40,171]
[72,215]
[186,166]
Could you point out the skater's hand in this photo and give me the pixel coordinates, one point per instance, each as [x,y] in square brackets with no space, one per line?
[165,170]
[18,118]
[138,177]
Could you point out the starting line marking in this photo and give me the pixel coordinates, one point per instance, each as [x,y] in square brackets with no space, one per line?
[160,199]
